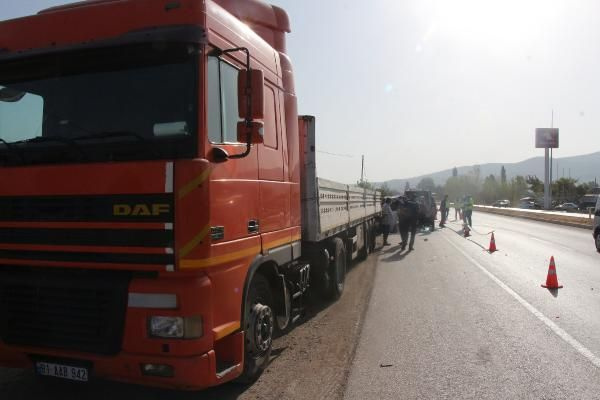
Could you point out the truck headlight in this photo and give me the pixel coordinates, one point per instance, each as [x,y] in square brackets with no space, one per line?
[175,327]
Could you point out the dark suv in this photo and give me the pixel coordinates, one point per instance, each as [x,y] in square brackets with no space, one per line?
[427,206]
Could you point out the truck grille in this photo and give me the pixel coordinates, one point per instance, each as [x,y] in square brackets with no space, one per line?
[68,222]
[78,310]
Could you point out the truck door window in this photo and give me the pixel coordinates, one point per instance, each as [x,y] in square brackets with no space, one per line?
[222,101]
[213,102]
[270,129]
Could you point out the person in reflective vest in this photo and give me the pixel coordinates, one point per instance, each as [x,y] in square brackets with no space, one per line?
[469,210]
[458,209]
[443,211]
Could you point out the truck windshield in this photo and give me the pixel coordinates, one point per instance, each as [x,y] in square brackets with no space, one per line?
[116,104]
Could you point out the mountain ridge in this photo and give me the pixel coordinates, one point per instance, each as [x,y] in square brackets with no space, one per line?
[584,168]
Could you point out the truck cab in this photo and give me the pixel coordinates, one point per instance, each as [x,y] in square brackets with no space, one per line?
[149,172]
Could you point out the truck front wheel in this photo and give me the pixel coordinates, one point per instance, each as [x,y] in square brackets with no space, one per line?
[259,322]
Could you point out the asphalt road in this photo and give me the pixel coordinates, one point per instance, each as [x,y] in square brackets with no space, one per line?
[450,320]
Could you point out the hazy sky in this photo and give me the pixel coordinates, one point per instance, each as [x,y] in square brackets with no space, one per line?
[422,85]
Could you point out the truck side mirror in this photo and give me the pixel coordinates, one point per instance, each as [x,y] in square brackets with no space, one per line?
[254,128]
[250,94]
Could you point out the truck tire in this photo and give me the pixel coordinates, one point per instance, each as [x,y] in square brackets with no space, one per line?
[259,322]
[598,242]
[364,252]
[372,237]
[337,269]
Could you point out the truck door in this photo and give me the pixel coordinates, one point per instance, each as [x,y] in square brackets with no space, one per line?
[274,192]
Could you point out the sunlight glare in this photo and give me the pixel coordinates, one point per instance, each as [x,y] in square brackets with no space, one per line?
[498,22]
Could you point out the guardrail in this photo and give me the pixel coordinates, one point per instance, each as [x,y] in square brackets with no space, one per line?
[576,220]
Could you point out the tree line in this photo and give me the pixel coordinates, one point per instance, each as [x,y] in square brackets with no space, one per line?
[488,189]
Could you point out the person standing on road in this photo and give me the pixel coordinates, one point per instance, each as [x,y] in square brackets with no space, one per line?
[403,220]
[443,211]
[388,221]
[409,222]
[469,210]
[457,209]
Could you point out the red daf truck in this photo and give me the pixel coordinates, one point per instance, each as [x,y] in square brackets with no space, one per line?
[160,211]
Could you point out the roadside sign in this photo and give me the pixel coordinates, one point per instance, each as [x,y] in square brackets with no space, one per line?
[546,138]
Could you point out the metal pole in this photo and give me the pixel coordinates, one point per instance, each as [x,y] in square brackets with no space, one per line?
[546,179]
[362,169]
[550,190]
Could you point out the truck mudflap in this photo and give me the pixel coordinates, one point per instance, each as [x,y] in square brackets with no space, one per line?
[185,373]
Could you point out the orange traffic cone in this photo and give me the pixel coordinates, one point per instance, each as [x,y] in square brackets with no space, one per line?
[492,244]
[552,279]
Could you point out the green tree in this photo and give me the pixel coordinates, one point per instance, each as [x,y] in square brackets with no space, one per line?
[365,184]
[454,172]
[490,190]
[459,186]
[585,188]
[426,184]
[386,191]
[518,188]
[535,184]
[407,186]
[503,175]
[565,189]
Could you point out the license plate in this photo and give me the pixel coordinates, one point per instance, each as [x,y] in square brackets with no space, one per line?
[62,371]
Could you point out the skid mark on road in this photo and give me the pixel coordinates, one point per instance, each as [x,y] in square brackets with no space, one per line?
[546,242]
[580,348]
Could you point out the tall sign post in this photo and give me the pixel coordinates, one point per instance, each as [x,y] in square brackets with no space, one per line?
[546,138]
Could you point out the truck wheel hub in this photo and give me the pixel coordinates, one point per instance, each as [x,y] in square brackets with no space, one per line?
[261,327]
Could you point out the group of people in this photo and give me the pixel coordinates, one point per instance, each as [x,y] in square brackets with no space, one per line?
[407,214]
[463,209]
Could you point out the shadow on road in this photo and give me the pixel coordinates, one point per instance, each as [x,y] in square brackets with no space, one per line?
[397,256]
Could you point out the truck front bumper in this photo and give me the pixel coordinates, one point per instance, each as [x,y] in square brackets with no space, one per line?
[189,373]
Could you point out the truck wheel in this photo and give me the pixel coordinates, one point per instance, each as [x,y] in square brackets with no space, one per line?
[372,238]
[598,242]
[364,252]
[337,269]
[259,322]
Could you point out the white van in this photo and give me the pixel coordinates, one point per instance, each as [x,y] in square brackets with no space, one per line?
[596,231]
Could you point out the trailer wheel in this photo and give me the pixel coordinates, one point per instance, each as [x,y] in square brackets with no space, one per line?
[259,322]
[364,252]
[337,269]
[372,237]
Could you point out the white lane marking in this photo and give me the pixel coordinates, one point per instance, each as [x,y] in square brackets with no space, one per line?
[169,177]
[581,349]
